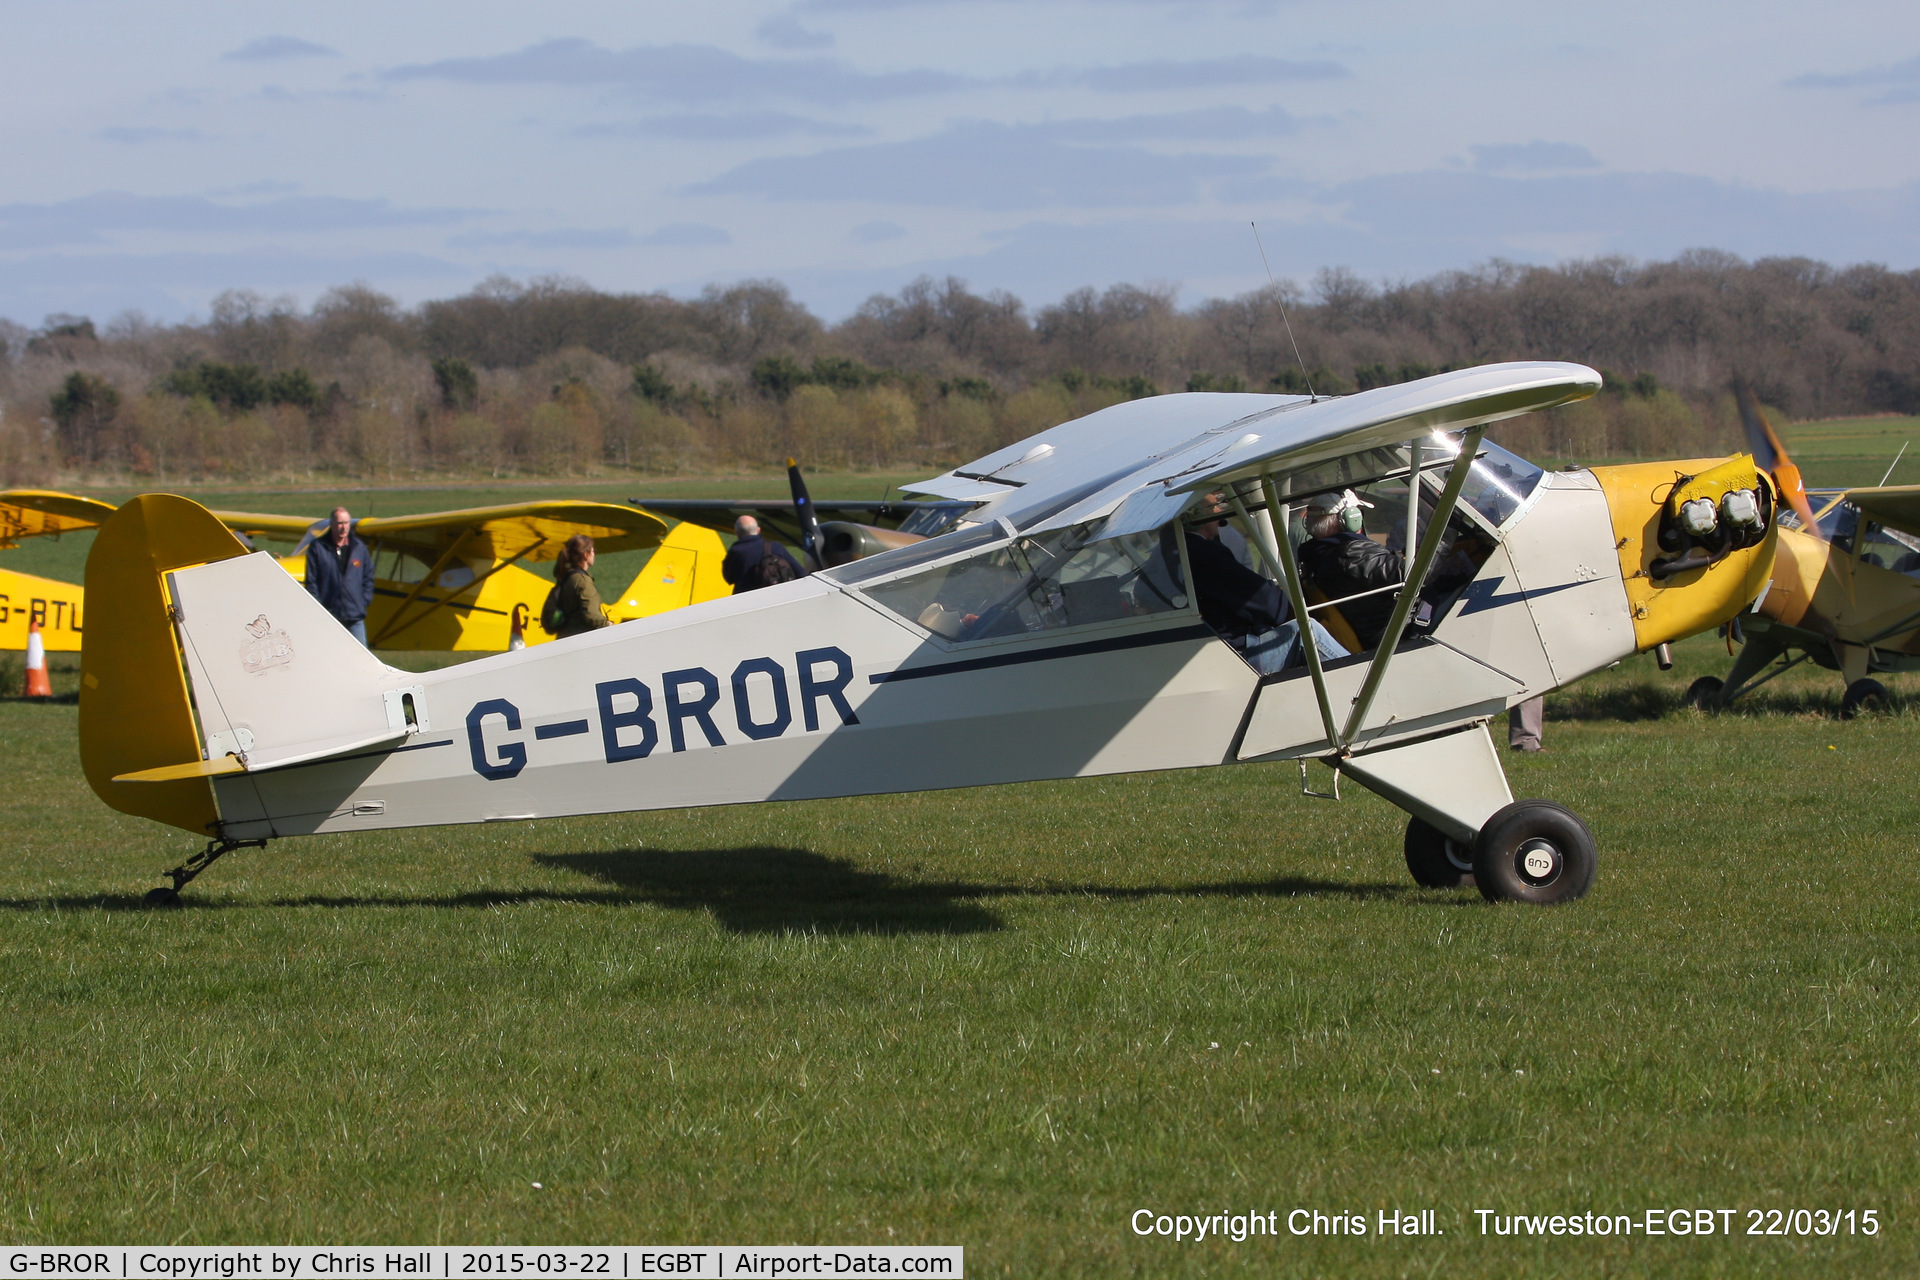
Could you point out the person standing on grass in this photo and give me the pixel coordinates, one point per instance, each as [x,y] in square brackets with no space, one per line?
[1526,721]
[340,573]
[753,562]
[573,608]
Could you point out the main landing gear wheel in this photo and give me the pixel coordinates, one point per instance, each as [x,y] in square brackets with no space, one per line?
[1436,860]
[1534,851]
[1864,695]
[1704,693]
[163,898]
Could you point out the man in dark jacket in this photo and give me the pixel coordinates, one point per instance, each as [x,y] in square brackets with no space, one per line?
[1342,561]
[742,567]
[1247,610]
[340,574]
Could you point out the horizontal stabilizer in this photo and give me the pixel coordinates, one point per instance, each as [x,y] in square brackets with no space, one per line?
[192,769]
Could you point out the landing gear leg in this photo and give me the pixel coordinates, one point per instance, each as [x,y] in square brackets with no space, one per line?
[193,866]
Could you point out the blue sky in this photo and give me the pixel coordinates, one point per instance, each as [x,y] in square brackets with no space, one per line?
[161,153]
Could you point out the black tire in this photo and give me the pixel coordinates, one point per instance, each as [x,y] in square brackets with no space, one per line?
[1534,851]
[1704,693]
[1436,860]
[1864,695]
[164,898]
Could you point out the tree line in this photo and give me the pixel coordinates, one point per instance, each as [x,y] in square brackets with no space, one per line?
[553,377]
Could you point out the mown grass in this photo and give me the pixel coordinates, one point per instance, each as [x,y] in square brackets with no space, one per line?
[1005,1018]
[1856,451]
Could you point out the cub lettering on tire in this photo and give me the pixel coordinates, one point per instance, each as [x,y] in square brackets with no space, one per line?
[1436,860]
[1534,851]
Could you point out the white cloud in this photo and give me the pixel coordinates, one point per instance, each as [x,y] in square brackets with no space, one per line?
[270,48]
[687,235]
[1162,75]
[581,238]
[1505,156]
[683,73]
[135,135]
[983,166]
[1206,124]
[784,31]
[1899,81]
[82,220]
[733,126]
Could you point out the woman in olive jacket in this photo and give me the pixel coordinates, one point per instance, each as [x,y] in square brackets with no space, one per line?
[576,600]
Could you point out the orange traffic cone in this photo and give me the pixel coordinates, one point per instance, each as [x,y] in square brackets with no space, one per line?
[38,686]
[518,638]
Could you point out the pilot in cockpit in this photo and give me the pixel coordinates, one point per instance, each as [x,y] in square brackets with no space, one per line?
[1248,611]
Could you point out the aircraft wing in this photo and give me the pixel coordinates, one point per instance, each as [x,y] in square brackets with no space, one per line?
[1137,464]
[779,516]
[531,531]
[275,528]
[27,513]
[1897,506]
[33,513]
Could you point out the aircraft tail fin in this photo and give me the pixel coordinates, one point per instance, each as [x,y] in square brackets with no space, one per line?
[684,569]
[222,663]
[135,711]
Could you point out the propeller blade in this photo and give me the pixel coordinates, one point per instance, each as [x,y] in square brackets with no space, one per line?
[1771,454]
[803,511]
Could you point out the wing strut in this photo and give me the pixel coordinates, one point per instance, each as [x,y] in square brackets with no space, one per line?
[391,629]
[1416,572]
[1341,740]
[432,575]
[1286,567]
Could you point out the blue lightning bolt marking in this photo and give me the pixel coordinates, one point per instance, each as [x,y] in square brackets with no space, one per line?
[1481,594]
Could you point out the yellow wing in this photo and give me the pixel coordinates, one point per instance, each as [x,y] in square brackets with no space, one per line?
[1896,505]
[531,531]
[32,513]
[275,528]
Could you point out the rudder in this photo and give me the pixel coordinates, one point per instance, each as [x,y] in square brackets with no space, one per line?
[135,713]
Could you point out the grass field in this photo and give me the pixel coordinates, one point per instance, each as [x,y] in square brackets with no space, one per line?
[1006,1018]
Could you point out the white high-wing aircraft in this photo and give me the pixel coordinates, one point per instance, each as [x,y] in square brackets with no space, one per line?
[1052,634]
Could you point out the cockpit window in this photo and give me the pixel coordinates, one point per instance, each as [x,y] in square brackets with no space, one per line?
[918,553]
[1044,583]
[1838,524]
[1890,549]
[932,521]
[1499,484]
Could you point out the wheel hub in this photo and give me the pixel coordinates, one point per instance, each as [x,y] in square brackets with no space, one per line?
[1538,861]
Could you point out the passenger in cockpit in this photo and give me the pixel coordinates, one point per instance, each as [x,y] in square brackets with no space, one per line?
[1247,611]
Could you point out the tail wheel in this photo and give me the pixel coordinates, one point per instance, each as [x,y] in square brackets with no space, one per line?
[1704,693]
[1436,860]
[1864,695]
[1534,851]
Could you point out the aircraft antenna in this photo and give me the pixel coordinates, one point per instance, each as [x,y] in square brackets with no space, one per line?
[1307,377]
[1893,464]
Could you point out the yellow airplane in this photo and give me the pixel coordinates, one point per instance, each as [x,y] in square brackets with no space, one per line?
[1845,588]
[24,598]
[448,580]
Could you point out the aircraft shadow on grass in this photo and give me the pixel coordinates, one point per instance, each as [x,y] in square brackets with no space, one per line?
[764,889]
[1626,703]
